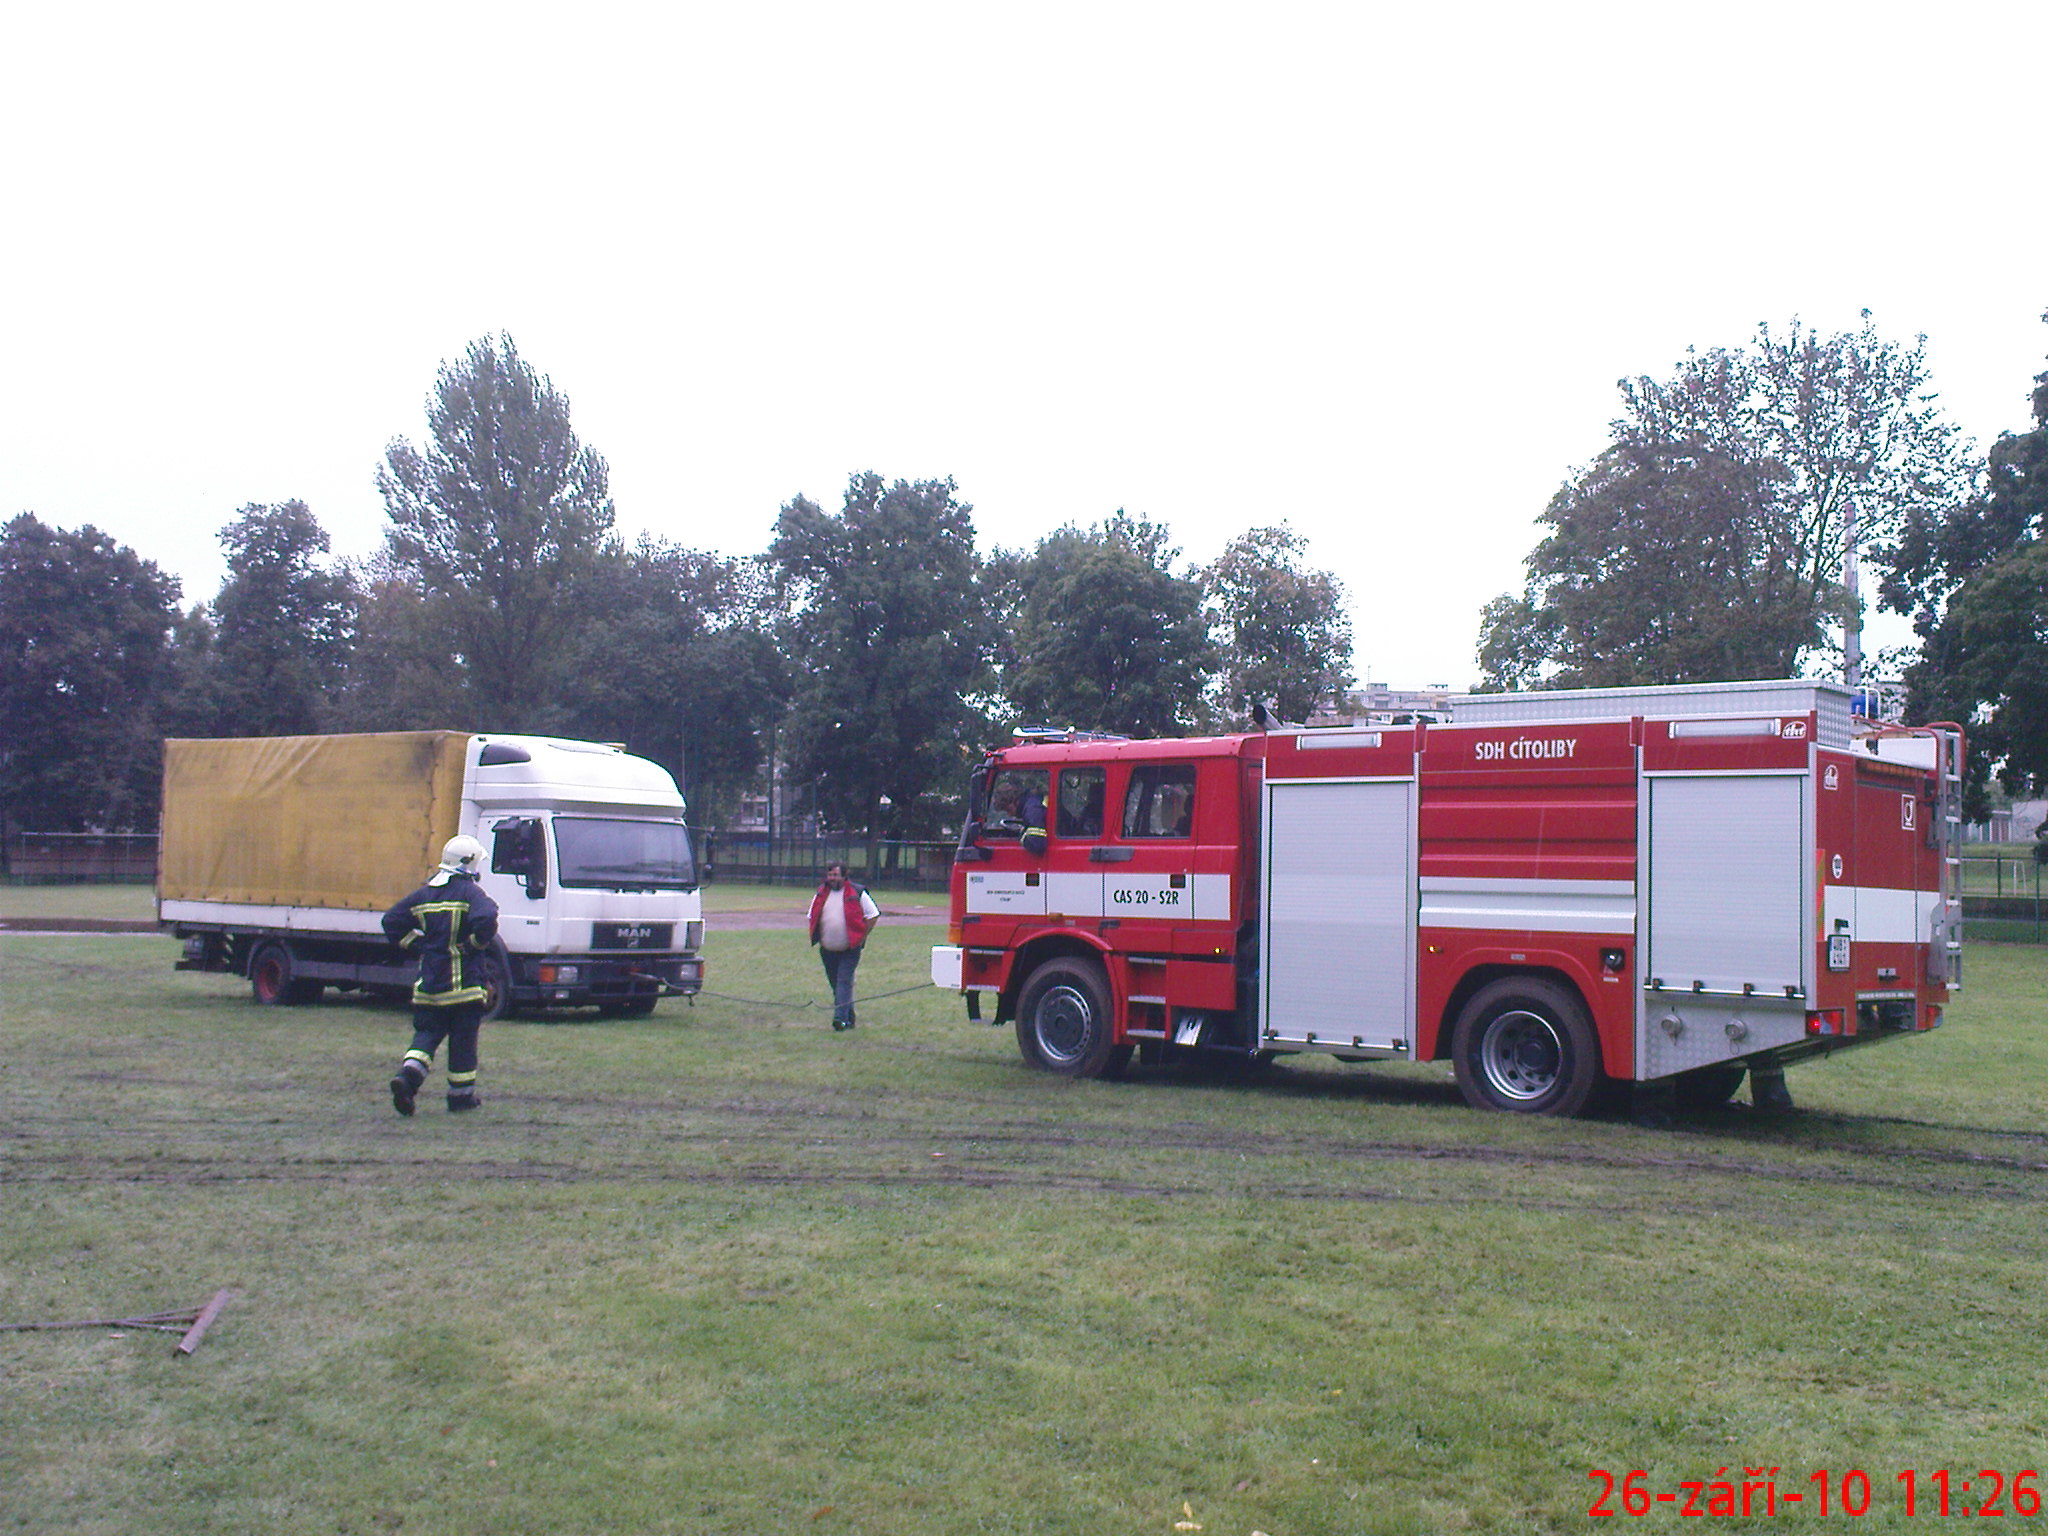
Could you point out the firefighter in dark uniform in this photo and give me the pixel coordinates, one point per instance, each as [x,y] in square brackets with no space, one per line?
[1032,838]
[447,923]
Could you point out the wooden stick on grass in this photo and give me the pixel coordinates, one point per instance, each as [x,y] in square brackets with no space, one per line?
[192,1322]
[203,1322]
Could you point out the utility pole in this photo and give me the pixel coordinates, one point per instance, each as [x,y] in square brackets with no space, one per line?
[1852,613]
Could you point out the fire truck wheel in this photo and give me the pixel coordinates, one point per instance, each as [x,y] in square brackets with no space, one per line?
[1063,1022]
[1525,1045]
[1708,1087]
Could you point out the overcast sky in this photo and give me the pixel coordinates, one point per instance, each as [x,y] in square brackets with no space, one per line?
[1370,269]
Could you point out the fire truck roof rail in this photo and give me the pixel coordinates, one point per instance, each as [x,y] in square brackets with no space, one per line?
[1778,696]
[1038,734]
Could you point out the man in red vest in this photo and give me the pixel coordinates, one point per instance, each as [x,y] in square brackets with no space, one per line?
[842,917]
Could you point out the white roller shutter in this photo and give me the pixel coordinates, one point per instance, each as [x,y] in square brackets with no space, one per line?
[1727,882]
[1339,960]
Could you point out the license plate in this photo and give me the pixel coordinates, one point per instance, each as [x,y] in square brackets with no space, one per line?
[632,935]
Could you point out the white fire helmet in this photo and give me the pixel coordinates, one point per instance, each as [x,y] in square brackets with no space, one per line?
[460,855]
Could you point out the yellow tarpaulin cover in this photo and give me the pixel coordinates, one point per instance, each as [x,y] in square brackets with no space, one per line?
[308,821]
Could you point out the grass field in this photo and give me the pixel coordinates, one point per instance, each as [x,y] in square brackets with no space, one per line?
[722,1270]
[133,903]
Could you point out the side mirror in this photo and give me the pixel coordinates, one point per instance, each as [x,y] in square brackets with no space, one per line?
[970,850]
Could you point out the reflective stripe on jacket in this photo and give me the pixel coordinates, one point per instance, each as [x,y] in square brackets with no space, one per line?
[446,926]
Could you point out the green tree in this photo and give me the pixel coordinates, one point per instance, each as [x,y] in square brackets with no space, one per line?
[1662,564]
[1103,634]
[1976,583]
[1847,427]
[1282,633]
[188,702]
[678,662]
[284,624]
[1786,456]
[403,671]
[1995,655]
[1937,551]
[84,624]
[890,633]
[494,523]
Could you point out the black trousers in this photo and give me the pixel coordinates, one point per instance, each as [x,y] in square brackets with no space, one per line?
[458,1025]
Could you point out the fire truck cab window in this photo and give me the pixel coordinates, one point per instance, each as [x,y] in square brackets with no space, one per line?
[1160,801]
[1014,795]
[1080,804]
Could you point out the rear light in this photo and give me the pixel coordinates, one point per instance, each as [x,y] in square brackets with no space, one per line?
[955,932]
[1825,1021]
[1930,1016]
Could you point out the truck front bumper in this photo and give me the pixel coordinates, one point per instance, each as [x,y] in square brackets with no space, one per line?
[582,980]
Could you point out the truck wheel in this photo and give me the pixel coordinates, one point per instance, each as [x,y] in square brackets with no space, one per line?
[1525,1045]
[494,974]
[1708,1087]
[271,978]
[1063,1022]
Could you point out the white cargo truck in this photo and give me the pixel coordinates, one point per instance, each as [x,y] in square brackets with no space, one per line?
[280,854]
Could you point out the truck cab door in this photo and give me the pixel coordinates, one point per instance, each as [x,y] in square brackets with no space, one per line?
[1007,882]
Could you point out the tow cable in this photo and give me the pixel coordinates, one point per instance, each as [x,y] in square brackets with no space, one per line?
[762,1002]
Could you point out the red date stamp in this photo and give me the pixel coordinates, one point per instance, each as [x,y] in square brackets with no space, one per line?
[1759,1491]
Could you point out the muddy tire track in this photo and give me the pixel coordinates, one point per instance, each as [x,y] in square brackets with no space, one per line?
[818,1141]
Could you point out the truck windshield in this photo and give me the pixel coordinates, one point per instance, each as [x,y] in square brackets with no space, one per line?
[608,854]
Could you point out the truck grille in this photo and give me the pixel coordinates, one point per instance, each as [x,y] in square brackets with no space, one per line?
[632,935]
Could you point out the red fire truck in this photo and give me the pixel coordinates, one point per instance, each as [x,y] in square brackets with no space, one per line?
[1556,892]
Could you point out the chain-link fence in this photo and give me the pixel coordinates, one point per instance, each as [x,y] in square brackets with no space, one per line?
[67,858]
[2005,895]
[796,859]
[80,858]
